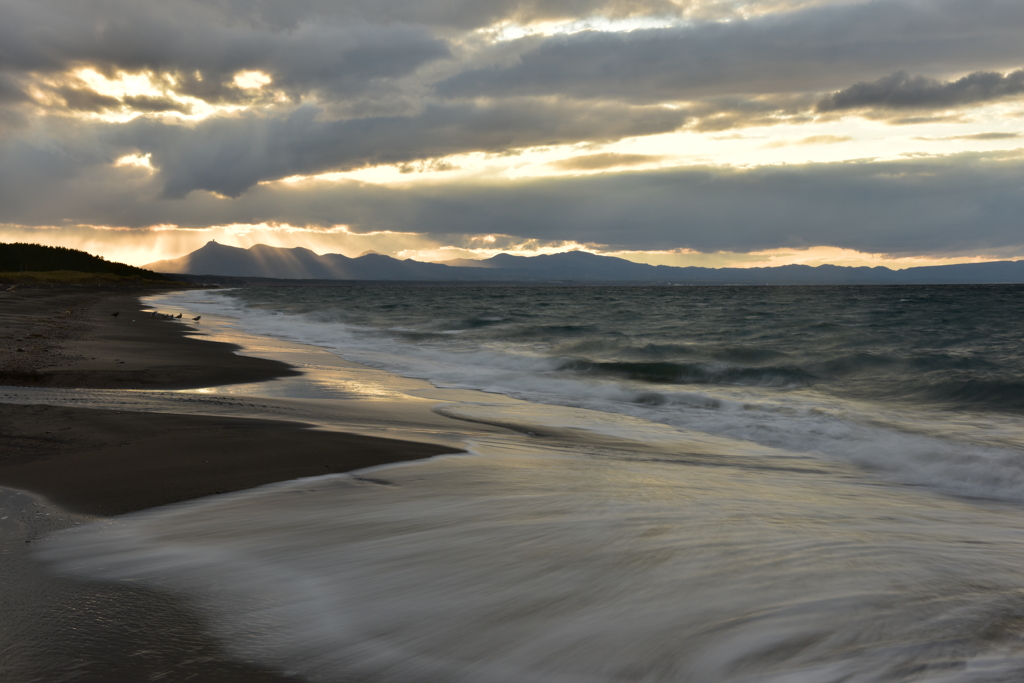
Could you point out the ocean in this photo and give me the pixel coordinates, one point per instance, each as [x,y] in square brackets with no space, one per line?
[729,484]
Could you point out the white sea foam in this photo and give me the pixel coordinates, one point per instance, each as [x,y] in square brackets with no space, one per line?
[549,568]
[982,459]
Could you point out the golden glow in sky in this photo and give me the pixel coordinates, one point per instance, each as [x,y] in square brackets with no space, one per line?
[997,127]
[139,248]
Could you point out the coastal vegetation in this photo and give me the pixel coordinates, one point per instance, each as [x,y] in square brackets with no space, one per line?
[23,263]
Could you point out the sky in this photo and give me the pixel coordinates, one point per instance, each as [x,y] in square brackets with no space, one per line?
[680,132]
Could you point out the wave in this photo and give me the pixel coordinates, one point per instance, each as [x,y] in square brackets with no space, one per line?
[964,393]
[871,417]
[530,569]
[695,373]
[904,363]
[545,332]
[614,350]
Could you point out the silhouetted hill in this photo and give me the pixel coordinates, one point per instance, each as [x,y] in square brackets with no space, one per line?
[22,257]
[574,266]
[298,263]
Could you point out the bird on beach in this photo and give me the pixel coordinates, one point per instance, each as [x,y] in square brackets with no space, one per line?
[197,318]
[178,316]
[116,314]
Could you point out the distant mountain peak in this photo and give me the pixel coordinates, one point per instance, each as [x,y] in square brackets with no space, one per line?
[299,263]
[214,245]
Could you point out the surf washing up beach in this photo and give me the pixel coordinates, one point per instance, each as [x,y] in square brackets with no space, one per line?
[524,485]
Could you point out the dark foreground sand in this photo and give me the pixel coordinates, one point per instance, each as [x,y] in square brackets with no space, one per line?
[68,338]
[102,462]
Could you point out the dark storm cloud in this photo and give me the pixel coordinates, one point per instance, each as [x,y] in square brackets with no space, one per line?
[795,52]
[303,44]
[457,14]
[228,155]
[342,48]
[938,205]
[903,91]
[932,205]
[180,38]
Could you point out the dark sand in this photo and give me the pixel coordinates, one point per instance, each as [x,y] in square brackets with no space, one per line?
[102,462]
[68,338]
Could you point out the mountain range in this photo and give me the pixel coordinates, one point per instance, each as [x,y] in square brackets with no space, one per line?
[262,261]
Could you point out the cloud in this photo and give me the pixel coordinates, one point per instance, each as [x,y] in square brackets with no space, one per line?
[145,103]
[88,100]
[802,51]
[83,99]
[912,206]
[199,47]
[228,155]
[987,136]
[936,205]
[811,140]
[305,45]
[955,117]
[11,91]
[427,166]
[977,136]
[373,60]
[347,85]
[593,162]
[902,91]
[441,15]
[454,14]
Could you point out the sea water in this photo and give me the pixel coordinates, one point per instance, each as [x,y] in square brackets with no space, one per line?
[714,484]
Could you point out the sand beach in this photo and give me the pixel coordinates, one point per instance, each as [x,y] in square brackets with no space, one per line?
[61,466]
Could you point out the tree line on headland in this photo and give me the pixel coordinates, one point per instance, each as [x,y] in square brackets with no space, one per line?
[22,262]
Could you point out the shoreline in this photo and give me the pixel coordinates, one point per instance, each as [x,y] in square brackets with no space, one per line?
[91,461]
[70,338]
[72,465]
[106,462]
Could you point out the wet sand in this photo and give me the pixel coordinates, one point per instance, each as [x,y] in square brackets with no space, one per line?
[102,462]
[69,338]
